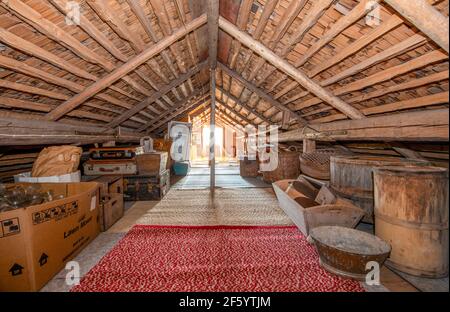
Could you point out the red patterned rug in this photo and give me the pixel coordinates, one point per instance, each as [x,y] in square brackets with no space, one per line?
[213,258]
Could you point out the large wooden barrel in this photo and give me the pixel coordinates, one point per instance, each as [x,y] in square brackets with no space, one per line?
[411,213]
[288,167]
[351,177]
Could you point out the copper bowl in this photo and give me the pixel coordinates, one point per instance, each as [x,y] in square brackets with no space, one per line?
[346,252]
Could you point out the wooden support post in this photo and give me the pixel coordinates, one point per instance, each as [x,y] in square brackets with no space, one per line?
[213,34]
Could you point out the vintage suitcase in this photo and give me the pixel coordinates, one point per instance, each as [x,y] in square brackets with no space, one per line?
[109,167]
[147,187]
[112,153]
[153,163]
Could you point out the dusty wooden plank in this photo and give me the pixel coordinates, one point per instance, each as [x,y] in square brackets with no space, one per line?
[429,125]
[426,18]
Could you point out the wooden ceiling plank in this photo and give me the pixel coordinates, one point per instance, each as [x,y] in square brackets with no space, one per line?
[381,76]
[396,50]
[32,90]
[102,9]
[428,125]
[287,19]
[244,13]
[165,89]
[392,23]
[434,99]
[319,7]
[426,18]
[49,29]
[123,70]
[260,93]
[138,10]
[296,74]
[362,9]
[246,106]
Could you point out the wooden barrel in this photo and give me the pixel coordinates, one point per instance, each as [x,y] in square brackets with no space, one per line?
[411,213]
[288,167]
[351,177]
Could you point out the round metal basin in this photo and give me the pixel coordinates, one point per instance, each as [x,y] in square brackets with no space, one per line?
[346,252]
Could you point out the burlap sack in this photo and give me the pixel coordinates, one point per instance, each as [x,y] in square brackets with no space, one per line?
[57,160]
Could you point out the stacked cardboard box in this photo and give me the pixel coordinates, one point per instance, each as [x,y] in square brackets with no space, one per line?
[36,242]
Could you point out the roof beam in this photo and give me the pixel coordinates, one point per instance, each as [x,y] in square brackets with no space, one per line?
[124,69]
[213,31]
[384,75]
[428,125]
[363,7]
[296,74]
[415,83]
[285,22]
[426,18]
[177,112]
[429,100]
[250,109]
[152,123]
[174,83]
[261,93]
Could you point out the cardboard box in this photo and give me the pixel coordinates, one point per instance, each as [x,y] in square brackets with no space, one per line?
[36,242]
[65,178]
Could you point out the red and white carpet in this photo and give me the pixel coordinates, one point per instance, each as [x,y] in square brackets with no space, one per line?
[213,258]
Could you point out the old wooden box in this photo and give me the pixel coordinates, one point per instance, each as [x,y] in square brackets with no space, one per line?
[153,163]
[146,187]
[111,199]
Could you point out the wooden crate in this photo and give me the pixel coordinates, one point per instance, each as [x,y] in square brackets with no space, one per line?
[111,199]
[152,163]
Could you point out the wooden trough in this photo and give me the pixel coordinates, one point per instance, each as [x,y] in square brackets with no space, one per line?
[297,199]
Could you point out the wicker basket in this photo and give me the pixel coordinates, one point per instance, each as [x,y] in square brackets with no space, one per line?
[288,167]
[249,168]
[317,163]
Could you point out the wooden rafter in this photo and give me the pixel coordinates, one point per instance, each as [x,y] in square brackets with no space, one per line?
[51,30]
[428,125]
[384,75]
[260,93]
[186,101]
[296,74]
[251,110]
[178,111]
[123,70]
[174,83]
[426,18]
